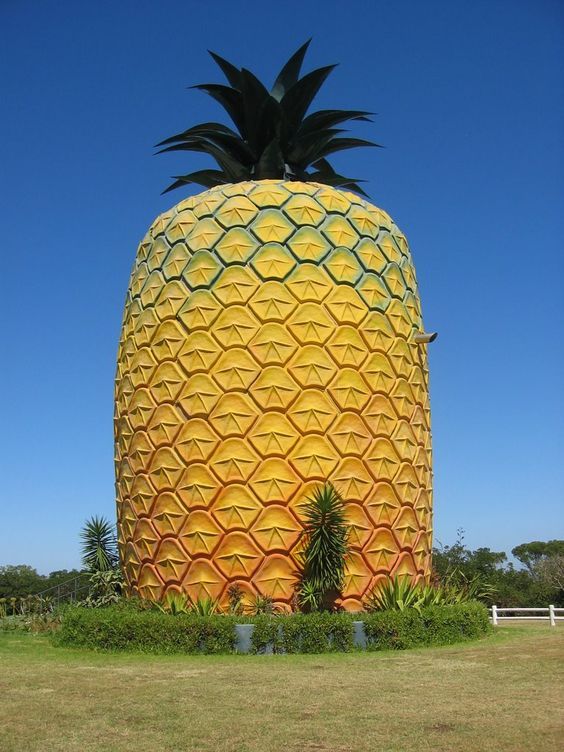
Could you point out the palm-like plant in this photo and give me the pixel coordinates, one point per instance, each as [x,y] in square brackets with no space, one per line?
[401,593]
[274,138]
[325,546]
[204,606]
[99,545]
[398,594]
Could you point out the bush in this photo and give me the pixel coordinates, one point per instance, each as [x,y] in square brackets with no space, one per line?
[303,633]
[34,623]
[433,625]
[122,628]
[128,628]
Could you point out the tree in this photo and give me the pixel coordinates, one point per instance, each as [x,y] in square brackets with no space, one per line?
[550,571]
[483,562]
[531,554]
[19,580]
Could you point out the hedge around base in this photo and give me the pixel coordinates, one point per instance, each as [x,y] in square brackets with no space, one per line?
[123,628]
[119,628]
[434,625]
[303,633]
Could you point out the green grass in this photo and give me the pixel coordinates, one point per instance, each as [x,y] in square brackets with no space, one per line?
[501,693]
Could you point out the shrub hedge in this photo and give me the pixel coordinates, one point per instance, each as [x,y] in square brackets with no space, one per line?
[433,625]
[303,633]
[119,628]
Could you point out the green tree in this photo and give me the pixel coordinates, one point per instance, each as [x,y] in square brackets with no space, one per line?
[512,587]
[18,580]
[483,562]
[531,554]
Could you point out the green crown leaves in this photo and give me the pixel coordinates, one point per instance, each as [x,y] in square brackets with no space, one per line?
[275,139]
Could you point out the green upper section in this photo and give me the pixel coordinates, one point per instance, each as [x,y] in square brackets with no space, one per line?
[274,138]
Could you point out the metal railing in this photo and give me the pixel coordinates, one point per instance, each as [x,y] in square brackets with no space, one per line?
[68,591]
[552,614]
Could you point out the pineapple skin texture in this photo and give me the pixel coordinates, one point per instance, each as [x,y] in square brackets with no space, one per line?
[267,346]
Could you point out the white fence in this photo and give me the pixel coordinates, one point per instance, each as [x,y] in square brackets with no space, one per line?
[552,614]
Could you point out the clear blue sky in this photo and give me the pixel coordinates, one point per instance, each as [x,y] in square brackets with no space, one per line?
[471,101]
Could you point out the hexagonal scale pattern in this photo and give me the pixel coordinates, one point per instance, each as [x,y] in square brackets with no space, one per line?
[267,345]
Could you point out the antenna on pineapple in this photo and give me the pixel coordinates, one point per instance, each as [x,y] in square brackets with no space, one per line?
[423,338]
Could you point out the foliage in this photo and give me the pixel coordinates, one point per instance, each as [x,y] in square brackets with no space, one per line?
[17,581]
[204,606]
[106,587]
[309,596]
[176,603]
[303,633]
[509,587]
[397,594]
[431,625]
[273,138]
[99,545]
[125,628]
[120,628]
[550,571]
[400,593]
[262,604]
[325,547]
[25,605]
[533,553]
[235,597]
[36,623]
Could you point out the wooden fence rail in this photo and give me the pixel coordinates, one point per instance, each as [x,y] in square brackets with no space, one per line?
[552,614]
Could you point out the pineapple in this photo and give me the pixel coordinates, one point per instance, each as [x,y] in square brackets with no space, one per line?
[269,344]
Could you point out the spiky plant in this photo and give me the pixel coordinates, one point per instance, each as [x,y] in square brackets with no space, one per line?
[175,603]
[325,546]
[274,138]
[99,545]
[269,343]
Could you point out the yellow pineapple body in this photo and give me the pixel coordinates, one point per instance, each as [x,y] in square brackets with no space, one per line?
[268,346]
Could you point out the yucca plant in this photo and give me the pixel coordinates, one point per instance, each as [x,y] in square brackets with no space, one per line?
[309,597]
[325,548]
[99,545]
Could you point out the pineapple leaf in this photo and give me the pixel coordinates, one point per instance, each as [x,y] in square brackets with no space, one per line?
[207,178]
[230,99]
[231,73]
[329,118]
[270,163]
[273,137]
[290,73]
[299,97]
[337,144]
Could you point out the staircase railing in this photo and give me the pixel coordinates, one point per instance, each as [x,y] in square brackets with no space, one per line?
[68,591]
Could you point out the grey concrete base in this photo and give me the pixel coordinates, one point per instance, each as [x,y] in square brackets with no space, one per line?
[359,636]
[244,635]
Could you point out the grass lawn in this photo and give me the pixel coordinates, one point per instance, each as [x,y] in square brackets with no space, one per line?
[502,693]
